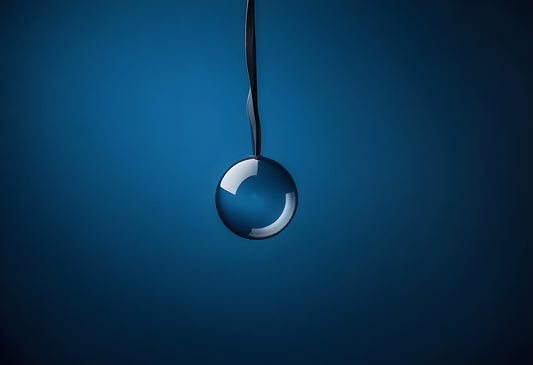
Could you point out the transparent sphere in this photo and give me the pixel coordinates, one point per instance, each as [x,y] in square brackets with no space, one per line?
[256,198]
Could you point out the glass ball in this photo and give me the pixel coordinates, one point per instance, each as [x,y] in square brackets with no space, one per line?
[256,198]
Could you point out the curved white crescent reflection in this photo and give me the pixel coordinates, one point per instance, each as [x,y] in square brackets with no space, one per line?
[236,176]
[282,221]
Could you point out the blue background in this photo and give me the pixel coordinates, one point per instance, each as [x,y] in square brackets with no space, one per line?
[406,126]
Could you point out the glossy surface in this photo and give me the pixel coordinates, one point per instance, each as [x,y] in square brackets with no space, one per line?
[256,198]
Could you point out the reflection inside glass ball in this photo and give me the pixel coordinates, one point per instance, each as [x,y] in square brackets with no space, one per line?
[256,198]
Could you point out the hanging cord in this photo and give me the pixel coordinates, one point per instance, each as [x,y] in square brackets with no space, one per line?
[251,104]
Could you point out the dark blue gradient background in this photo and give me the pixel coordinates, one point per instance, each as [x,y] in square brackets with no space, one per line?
[406,126]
